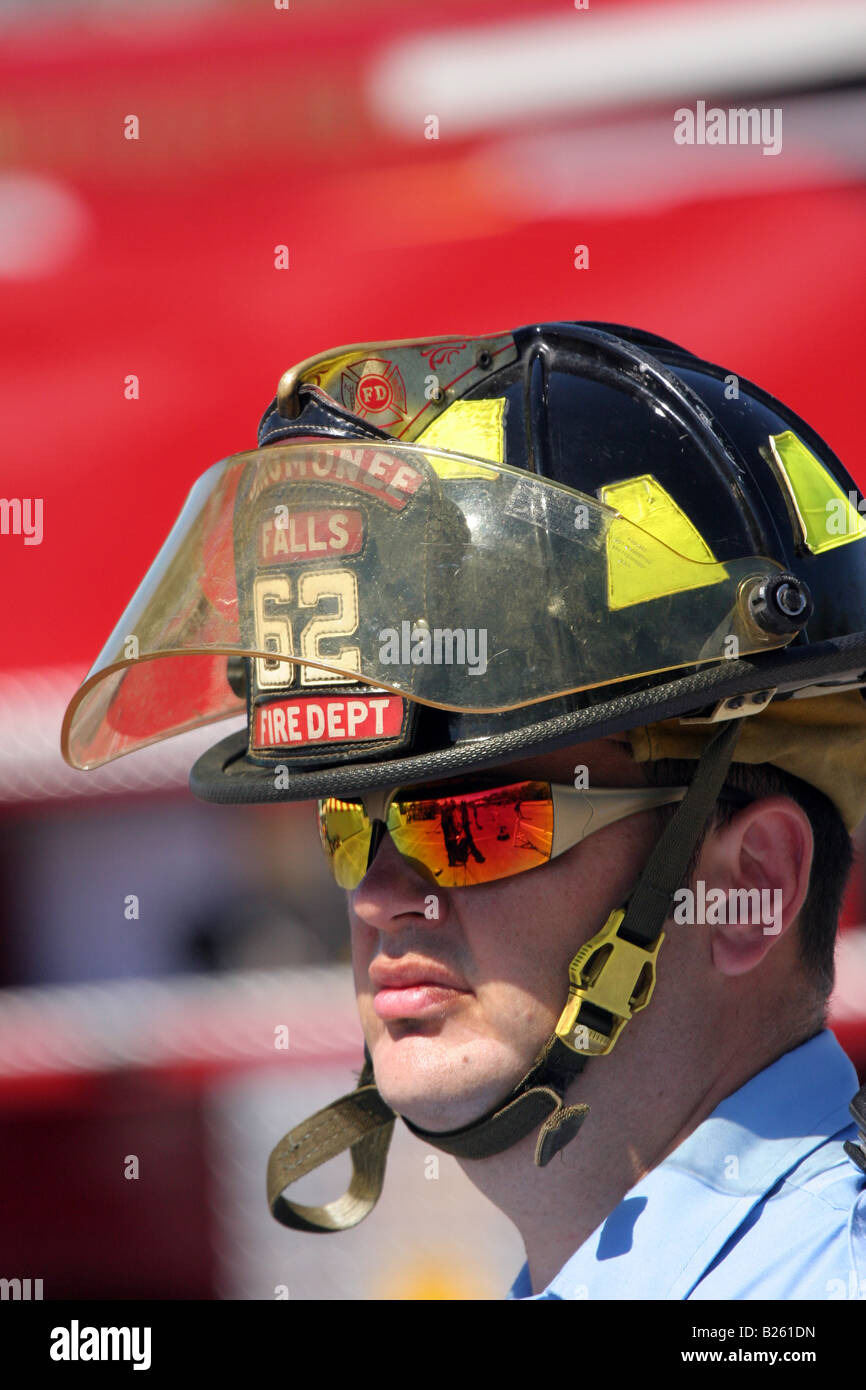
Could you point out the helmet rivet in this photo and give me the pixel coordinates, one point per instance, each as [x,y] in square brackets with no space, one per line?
[790,599]
[484,359]
[780,605]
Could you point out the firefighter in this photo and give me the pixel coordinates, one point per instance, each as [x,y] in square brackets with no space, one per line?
[667,572]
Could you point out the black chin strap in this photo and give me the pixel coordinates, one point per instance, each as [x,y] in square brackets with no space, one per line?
[539,1099]
[594,1015]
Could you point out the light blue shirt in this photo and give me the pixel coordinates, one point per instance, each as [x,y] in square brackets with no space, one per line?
[760,1201]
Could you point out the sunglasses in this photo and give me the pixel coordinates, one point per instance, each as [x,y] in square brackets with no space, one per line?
[471,836]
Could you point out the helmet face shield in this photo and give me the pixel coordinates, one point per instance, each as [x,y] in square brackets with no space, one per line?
[358,576]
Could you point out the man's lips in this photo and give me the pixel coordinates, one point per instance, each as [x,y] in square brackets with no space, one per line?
[411,989]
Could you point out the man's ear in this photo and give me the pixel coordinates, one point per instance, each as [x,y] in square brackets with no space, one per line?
[765,851]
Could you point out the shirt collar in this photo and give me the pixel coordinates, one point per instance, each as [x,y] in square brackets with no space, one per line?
[663,1235]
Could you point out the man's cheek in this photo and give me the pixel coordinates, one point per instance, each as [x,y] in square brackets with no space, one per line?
[363,995]
[513,1015]
[362,942]
[371,1025]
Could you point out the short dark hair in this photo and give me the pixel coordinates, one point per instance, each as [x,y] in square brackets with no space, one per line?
[831,862]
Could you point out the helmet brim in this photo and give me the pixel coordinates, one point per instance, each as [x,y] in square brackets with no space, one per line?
[225,775]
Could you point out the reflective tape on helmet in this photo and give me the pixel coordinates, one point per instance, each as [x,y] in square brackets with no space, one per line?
[826,516]
[659,558]
[468,427]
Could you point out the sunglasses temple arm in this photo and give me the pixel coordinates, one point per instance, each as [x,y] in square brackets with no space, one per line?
[577,814]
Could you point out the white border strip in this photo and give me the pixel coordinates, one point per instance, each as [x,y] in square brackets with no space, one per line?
[232,1019]
[227,1019]
[32,705]
[502,75]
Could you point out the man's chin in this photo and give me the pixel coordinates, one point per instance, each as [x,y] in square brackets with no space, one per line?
[436,1088]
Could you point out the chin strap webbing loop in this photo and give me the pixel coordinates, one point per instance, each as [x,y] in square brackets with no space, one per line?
[363,1123]
[359,1121]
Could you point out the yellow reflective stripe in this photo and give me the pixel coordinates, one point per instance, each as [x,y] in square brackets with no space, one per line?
[666,555]
[826,515]
[467,427]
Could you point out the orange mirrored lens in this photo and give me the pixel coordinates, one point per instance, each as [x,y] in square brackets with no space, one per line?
[475,837]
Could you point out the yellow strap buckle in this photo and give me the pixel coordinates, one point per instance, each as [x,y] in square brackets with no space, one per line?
[610,975]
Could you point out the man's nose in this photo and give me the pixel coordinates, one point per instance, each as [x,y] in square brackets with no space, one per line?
[392,892]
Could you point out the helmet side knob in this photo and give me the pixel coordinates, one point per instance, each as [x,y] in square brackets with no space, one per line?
[780,604]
